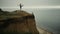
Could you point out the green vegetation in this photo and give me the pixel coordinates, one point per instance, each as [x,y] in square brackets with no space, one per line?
[6,14]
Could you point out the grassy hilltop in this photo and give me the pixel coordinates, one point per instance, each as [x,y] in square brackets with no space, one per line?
[17,13]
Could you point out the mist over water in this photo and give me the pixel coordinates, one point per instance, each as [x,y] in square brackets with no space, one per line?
[47,18]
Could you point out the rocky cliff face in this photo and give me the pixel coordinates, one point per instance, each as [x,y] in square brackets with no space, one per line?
[18,22]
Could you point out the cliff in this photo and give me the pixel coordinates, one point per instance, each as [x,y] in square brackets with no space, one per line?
[17,22]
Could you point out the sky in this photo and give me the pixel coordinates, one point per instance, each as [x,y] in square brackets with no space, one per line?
[29,3]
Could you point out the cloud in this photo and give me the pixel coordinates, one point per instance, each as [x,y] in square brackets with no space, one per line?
[15,3]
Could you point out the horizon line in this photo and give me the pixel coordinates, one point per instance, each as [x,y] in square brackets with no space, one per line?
[34,7]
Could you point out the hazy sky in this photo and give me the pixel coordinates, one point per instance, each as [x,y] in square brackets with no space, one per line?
[14,3]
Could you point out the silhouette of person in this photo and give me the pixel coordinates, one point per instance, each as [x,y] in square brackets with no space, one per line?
[21,6]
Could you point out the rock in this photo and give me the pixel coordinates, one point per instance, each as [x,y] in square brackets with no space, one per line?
[18,22]
[0,9]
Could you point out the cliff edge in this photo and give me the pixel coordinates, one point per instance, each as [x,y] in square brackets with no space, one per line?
[17,22]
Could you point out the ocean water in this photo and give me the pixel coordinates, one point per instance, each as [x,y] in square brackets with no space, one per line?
[47,18]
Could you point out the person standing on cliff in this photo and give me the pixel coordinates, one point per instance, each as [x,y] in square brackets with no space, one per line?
[21,6]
